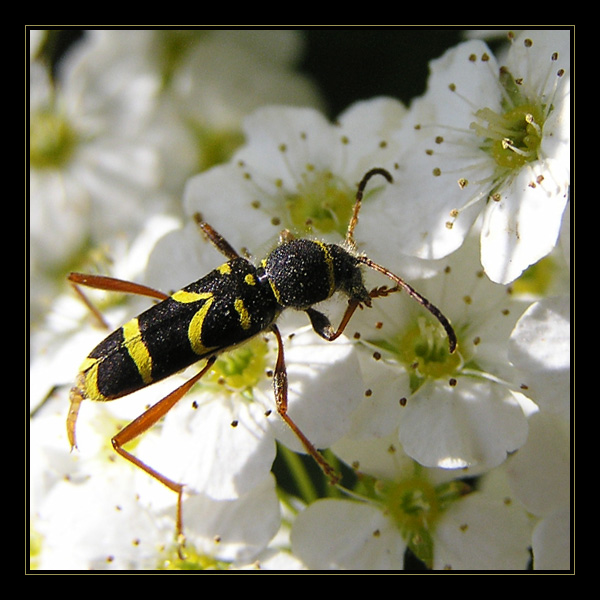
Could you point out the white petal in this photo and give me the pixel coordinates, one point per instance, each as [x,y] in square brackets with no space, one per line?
[540,347]
[100,524]
[485,534]
[345,535]
[541,340]
[380,457]
[556,142]
[369,127]
[533,64]
[224,198]
[411,215]
[473,424]
[475,81]
[200,448]
[379,410]
[552,542]
[521,228]
[221,102]
[233,530]
[540,472]
[307,135]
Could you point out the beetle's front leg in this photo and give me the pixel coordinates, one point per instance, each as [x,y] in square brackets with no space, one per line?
[322,325]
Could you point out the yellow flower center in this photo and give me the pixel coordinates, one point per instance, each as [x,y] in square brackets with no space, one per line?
[322,203]
[423,349]
[52,140]
[512,137]
[241,369]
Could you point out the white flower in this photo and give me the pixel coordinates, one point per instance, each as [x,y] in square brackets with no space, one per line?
[85,507]
[486,139]
[450,410]
[88,158]
[91,509]
[402,505]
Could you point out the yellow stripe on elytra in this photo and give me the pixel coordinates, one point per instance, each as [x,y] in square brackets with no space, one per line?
[89,370]
[329,261]
[187,297]
[132,339]
[243,312]
[87,364]
[195,326]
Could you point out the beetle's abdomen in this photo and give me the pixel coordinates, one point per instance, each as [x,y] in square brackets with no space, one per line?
[225,308]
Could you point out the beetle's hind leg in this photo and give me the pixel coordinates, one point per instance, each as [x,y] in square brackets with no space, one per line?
[147,420]
[109,284]
[281,390]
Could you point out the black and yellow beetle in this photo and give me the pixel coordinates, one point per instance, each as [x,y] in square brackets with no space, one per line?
[230,305]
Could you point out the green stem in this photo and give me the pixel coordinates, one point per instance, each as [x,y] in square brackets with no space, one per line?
[298,473]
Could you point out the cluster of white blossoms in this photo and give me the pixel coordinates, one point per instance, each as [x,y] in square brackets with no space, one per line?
[461,459]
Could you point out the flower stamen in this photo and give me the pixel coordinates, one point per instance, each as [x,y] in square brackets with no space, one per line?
[512,138]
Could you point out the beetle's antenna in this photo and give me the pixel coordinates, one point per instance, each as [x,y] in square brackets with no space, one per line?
[359,194]
[434,310]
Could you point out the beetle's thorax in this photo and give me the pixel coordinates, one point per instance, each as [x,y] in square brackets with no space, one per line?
[303,272]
